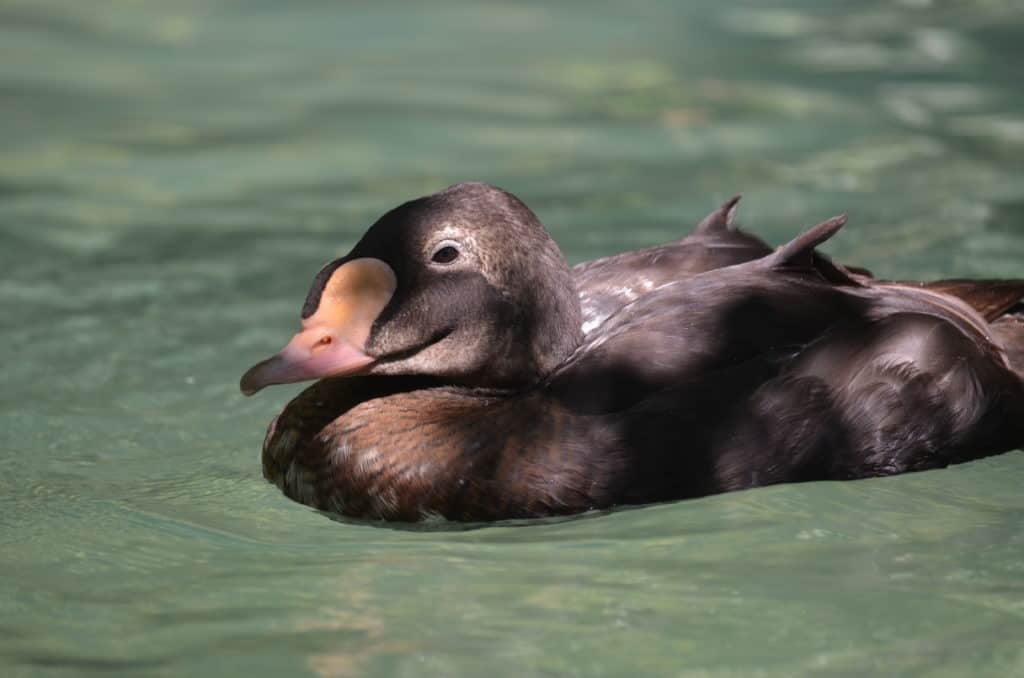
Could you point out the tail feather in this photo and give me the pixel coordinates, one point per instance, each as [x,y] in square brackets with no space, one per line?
[990,298]
[1009,334]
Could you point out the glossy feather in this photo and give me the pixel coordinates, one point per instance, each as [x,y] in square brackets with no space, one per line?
[782,368]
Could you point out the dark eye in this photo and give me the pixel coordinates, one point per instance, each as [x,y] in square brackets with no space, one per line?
[445,255]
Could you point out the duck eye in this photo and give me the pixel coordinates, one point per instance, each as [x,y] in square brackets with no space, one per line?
[445,255]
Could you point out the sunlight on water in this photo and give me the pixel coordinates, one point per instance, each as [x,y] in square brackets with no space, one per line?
[172,175]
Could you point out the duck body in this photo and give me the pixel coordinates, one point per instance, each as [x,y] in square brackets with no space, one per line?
[779,369]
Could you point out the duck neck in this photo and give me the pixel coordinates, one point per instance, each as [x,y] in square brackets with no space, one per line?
[558,331]
[536,337]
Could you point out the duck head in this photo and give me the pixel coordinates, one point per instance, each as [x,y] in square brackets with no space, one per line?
[464,285]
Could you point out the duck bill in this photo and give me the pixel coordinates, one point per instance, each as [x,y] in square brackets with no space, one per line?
[345,300]
[298,361]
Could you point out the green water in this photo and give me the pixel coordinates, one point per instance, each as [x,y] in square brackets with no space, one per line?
[173,174]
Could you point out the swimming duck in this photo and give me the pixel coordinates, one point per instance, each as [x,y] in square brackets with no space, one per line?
[456,379]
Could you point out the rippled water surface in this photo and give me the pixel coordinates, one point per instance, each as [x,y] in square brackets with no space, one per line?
[173,174]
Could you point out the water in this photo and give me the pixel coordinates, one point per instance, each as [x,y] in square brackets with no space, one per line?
[173,174]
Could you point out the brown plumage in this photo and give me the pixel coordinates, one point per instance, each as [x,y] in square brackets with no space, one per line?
[464,387]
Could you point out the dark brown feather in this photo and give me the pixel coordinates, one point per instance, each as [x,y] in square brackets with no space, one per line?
[990,298]
[782,369]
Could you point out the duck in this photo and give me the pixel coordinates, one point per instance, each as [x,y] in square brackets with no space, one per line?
[455,379]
